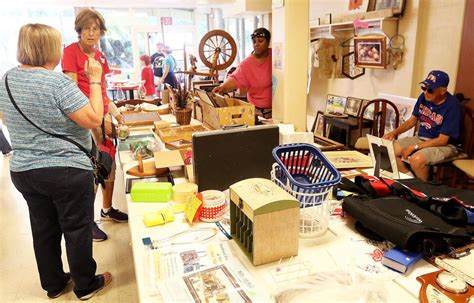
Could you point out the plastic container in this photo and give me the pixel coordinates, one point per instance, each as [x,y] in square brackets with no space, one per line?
[213,205]
[304,172]
[182,191]
[151,192]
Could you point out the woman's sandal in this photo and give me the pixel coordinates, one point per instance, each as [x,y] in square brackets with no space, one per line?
[105,278]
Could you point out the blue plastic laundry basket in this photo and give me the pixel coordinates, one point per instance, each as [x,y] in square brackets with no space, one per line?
[304,172]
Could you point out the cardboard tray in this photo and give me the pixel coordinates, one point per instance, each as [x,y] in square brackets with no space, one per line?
[179,133]
[143,118]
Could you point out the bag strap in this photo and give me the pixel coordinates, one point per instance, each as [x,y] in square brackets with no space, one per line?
[31,122]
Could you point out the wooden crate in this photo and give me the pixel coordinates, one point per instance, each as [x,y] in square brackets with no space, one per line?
[264,220]
[179,133]
[236,112]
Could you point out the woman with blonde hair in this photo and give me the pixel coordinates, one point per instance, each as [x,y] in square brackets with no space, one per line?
[54,176]
[90,26]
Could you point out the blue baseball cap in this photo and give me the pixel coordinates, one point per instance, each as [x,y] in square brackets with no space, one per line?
[435,79]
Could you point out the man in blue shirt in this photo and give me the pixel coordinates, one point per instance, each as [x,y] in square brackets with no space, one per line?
[439,115]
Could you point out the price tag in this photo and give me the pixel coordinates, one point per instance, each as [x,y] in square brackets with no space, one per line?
[193,207]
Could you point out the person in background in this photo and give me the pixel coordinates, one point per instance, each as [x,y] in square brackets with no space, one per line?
[439,115]
[90,26]
[54,176]
[254,74]
[157,64]
[147,75]
[169,65]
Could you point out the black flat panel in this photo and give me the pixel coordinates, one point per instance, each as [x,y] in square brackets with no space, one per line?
[223,157]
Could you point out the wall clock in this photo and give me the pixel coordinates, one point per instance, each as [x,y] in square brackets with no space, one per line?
[349,69]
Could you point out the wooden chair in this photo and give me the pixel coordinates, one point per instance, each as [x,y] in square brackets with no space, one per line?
[466,166]
[378,124]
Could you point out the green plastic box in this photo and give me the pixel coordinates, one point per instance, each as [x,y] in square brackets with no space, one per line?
[151,192]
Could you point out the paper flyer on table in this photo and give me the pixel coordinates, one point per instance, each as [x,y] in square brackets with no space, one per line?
[174,261]
[228,282]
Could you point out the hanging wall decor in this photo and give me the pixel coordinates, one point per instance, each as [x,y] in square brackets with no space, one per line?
[370,51]
[349,69]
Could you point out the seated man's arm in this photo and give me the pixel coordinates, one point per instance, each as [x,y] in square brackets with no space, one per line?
[401,129]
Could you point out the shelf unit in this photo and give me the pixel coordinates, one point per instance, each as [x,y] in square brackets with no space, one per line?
[384,26]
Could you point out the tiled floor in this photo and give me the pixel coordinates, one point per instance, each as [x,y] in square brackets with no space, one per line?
[19,281]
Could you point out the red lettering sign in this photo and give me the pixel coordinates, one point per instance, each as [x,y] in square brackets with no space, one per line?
[166,20]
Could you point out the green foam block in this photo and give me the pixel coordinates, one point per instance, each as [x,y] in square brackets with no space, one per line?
[151,191]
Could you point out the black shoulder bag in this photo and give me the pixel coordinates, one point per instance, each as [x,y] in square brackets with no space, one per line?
[102,164]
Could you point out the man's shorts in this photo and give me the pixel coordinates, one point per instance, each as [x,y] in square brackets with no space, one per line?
[433,155]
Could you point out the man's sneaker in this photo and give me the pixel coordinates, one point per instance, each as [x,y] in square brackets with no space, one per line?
[97,234]
[55,294]
[114,214]
[104,280]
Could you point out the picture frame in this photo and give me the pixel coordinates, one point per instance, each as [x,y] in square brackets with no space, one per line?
[348,159]
[369,113]
[388,161]
[396,5]
[405,107]
[335,104]
[370,51]
[318,125]
[353,106]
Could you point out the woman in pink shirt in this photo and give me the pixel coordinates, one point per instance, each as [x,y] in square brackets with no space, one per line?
[254,74]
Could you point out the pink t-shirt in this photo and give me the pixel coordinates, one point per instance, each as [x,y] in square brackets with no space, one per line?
[73,62]
[257,79]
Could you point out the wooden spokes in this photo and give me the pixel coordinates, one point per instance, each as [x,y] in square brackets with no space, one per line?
[217,50]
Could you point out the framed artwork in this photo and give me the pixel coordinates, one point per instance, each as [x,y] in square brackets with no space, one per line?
[405,109]
[369,112]
[348,159]
[396,5]
[335,104]
[382,150]
[318,125]
[349,69]
[353,106]
[370,51]
[357,6]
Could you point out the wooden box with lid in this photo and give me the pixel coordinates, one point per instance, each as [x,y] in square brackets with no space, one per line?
[264,220]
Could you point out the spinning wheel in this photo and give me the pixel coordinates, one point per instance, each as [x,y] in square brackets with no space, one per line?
[217,50]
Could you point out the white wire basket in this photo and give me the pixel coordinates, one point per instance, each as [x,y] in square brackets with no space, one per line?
[314,217]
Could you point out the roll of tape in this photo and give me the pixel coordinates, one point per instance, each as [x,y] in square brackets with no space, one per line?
[181,192]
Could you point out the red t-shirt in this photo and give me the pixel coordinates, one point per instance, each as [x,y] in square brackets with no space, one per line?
[257,79]
[148,77]
[73,62]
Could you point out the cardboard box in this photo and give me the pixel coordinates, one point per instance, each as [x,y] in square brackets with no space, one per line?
[236,112]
